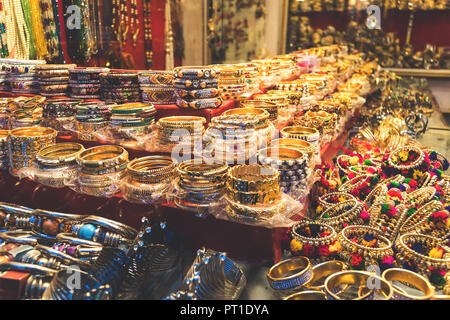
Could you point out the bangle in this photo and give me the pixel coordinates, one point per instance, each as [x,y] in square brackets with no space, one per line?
[335,282]
[195,72]
[185,121]
[311,135]
[181,83]
[343,213]
[413,280]
[289,274]
[152,169]
[198,94]
[19,237]
[253,178]
[270,107]
[58,154]
[162,78]
[102,157]
[302,145]
[158,95]
[404,154]
[310,233]
[322,271]
[307,295]
[421,221]
[330,199]
[199,104]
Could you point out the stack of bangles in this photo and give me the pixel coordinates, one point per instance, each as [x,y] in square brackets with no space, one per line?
[178,129]
[59,114]
[200,184]
[84,83]
[237,134]
[57,164]
[100,169]
[270,107]
[231,82]
[310,135]
[253,193]
[53,79]
[157,87]
[4,149]
[25,143]
[292,164]
[148,179]
[280,99]
[120,87]
[91,117]
[132,119]
[196,88]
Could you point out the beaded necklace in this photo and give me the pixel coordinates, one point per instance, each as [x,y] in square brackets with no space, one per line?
[21,35]
[4,52]
[148,33]
[134,22]
[38,30]
[50,30]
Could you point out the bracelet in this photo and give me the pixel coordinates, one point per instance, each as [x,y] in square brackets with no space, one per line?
[270,107]
[198,104]
[195,72]
[59,154]
[322,271]
[151,169]
[311,135]
[307,295]
[335,282]
[253,178]
[412,279]
[198,94]
[48,223]
[163,78]
[102,157]
[194,84]
[280,278]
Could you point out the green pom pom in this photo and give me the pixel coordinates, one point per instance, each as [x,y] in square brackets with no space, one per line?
[407,180]
[367,162]
[385,208]
[437,279]
[395,184]
[326,216]
[411,211]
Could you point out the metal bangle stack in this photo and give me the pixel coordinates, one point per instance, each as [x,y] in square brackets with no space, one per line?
[59,114]
[22,76]
[199,185]
[235,136]
[231,82]
[132,119]
[157,87]
[292,164]
[25,143]
[100,169]
[180,130]
[25,111]
[120,87]
[196,88]
[148,179]
[57,163]
[90,117]
[253,193]
[84,83]
[53,79]
[270,107]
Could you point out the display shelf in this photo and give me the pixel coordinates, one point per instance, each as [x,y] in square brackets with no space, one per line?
[428,73]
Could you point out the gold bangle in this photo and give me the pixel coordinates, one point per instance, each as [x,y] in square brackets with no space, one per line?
[322,271]
[412,279]
[289,274]
[253,178]
[59,153]
[151,169]
[339,279]
[298,144]
[261,114]
[102,157]
[307,295]
[32,133]
[303,133]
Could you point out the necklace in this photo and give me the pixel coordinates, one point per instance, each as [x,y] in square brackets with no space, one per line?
[134,22]
[148,33]
[50,30]
[169,37]
[20,35]
[3,33]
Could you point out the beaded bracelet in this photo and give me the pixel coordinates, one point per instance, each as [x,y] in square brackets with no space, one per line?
[195,72]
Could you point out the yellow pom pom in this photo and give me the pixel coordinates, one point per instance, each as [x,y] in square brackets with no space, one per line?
[403,155]
[319,209]
[354,160]
[332,183]
[296,245]
[436,253]
[335,248]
